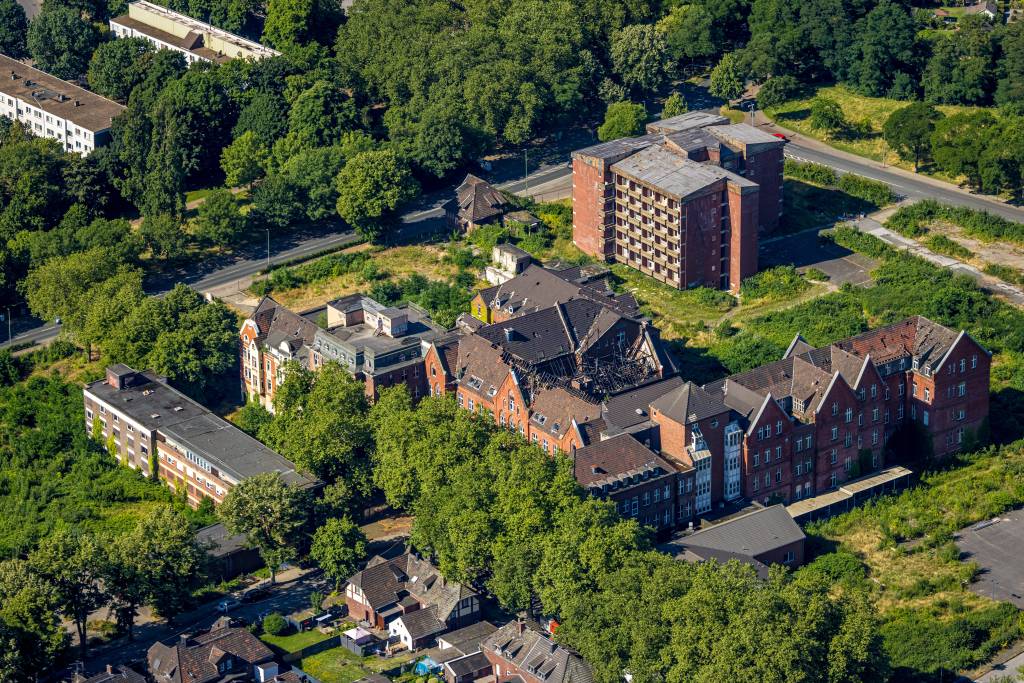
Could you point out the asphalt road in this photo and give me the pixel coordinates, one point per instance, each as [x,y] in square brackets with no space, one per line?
[427,218]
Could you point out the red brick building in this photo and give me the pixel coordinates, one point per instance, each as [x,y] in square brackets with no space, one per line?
[520,653]
[380,345]
[684,203]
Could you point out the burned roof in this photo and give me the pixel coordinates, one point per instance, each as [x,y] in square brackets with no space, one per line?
[616,460]
[538,287]
[917,337]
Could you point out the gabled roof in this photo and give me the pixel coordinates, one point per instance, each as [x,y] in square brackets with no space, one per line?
[538,287]
[689,403]
[478,200]
[422,623]
[385,582]
[553,409]
[195,660]
[119,674]
[479,366]
[752,534]
[631,408]
[614,459]
[551,332]
[535,654]
[276,325]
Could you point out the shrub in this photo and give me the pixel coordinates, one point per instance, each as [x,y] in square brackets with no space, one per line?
[827,115]
[275,624]
[941,244]
[816,274]
[810,172]
[781,282]
[913,220]
[873,191]
[778,90]
[535,243]
[1005,273]
[855,240]
[487,237]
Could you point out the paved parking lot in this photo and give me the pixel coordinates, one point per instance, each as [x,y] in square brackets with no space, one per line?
[999,551]
[804,250]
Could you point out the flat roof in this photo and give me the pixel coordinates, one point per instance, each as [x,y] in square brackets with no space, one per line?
[752,534]
[56,96]
[673,173]
[191,25]
[847,491]
[687,121]
[884,477]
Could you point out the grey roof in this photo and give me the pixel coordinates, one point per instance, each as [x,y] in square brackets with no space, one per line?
[510,248]
[538,287]
[687,121]
[531,650]
[58,97]
[469,664]
[696,554]
[478,200]
[156,405]
[689,403]
[119,674]
[467,639]
[422,623]
[550,332]
[230,449]
[617,149]
[385,582]
[218,541]
[674,174]
[753,534]
[616,460]
[747,136]
[630,408]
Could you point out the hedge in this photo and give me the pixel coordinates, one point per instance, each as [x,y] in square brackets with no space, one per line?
[913,221]
[872,191]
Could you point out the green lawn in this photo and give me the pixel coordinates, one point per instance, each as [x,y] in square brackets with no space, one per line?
[866,116]
[341,666]
[293,642]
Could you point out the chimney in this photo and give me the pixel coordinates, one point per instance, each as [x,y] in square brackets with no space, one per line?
[508,334]
[77,103]
[110,668]
[520,626]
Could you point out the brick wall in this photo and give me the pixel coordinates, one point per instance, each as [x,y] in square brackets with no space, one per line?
[703,230]
[765,169]
[743,217]
[589,233]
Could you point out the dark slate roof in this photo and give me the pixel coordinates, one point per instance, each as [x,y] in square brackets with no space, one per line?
[616,459]
[195,660]
[469,664]
[478,200]
[119,674]
[695,554]
[554,408]
[916,337]
[218,541]
[277,324]
[538,287]
[386,581]
[689,403]
[530,649]
[467,639]
[546,334]
[422,623]
[752,534]
[621,411]
[478,366]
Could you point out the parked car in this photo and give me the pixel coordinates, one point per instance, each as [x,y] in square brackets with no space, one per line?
[780,136]
[256,594]
[226,605]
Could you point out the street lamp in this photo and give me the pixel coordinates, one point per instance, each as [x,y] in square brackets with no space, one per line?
[9,337]
[268,249]
[526,170]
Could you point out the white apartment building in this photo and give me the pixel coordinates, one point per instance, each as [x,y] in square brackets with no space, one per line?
[195,39]
[53,108]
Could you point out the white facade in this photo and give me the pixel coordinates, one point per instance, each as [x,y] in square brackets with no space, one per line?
[733,439]
[73,137]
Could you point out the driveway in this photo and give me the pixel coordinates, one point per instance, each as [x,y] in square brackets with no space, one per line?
[805,250]
[996,547]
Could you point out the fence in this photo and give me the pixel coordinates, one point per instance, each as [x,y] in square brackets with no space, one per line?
[313,649]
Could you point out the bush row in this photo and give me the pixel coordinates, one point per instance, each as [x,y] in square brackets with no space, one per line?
[913,221]
[872,191]
[324,268]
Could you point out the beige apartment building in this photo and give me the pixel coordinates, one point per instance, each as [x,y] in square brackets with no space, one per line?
[195,39]
[53,108]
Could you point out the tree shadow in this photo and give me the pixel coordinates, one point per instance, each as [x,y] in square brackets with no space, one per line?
[697,365]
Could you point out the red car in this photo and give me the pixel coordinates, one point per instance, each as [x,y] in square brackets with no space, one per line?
[781,136]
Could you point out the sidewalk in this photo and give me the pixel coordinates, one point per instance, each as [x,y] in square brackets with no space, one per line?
[870,225]
[814,144]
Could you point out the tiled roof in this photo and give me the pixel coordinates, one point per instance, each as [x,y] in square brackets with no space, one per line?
[622,456]
[195,660]
[630,408]
[464,666]
[385,582]
[479,366]
[277,324]
[120,674]
[467,639]
[422,623]
[538,287]
[554,408]
[478,200]
[534,653]
[689,403]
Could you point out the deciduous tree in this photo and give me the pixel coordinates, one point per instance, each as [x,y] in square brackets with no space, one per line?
[117,66]
[371,187]
[622,120]
[338,547]
[244,161]
[639,57]
[61,42]
[908,131]
[727,78]
[270,513]
[13,29]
